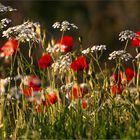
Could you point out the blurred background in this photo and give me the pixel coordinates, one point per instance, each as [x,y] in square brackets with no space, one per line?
[99,21]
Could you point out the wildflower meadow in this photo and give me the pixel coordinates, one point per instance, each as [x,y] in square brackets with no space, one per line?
[65,92]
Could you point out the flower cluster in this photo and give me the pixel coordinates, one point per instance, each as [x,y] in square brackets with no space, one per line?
[45,61]
[95,48]
[120,79]
[24,32]
[6,8]
[120,54]
[9,48]
[31,88]
[62,64]
[64,45]
[79,64]
[67,87]
[4,22]
[127,34]
[64,26]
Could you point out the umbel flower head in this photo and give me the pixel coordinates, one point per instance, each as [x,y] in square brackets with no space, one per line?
[24,32]
[4,22]
[9,48]
[94,48]
[127,34]
[6,8]
[64,26]
[45,61]
[62,63]
[120,54]
[79,64]
[65,44]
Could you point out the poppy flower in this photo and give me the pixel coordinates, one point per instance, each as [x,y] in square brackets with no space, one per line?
[9,48]
[136,41]
[37,108]
[78,91]
[79,64]
[34,82]
[74,92]
[27,91]
[65,44]
[45,61]
[116,89]
[129,74]
[84,103]
[52,97]
[117,77]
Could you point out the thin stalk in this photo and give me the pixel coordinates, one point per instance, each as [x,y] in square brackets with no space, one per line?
[126,44]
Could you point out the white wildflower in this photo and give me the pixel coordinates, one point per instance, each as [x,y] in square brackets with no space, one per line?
[98,48]
[4,22]
[6,8]
[62,64]
[93,49]
[64,25]
[53,49]
[127,34]
[120,54]
[23,32]
[86,51]
[15,92]
[56,25]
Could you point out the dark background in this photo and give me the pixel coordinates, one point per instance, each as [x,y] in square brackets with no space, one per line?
[99,21]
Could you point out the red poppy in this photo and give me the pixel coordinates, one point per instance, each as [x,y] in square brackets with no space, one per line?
[46,103]
[37,108]
[34,82]
[65,44]
[116,89]
[74,92]
[136,41]
[45,61]
[84,103]
[9,48]
[52,97]
[78,91]
[27,91]
[129,74]
[32,86]
[117,77]
[79,64]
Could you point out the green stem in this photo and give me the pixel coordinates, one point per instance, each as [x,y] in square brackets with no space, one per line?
[125,47]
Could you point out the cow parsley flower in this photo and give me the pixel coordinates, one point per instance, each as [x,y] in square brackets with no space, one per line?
[6,8]
[64,25]
[62,64]
[24,32]
[53,49]
[127,34]
[4,22]
[120,54]
[98,48]
[56,25]
[93,49]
